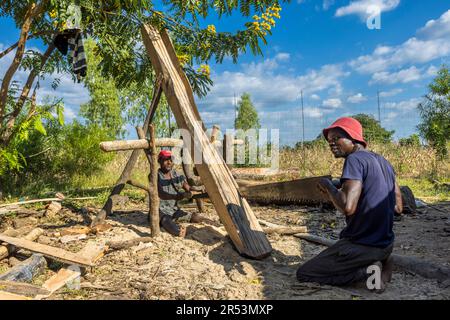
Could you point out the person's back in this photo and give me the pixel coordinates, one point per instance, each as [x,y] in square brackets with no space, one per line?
[373,220]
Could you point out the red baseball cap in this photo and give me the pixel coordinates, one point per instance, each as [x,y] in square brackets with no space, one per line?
[164,154]
[351,126]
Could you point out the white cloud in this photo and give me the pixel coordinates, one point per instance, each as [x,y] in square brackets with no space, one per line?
[402,76]
[432,42]
[332,103]
[269,88]
[282,56]
[315,97]
[403,106]
[362,7]
[411,51]
[390,93]
[357,98]
[439,28]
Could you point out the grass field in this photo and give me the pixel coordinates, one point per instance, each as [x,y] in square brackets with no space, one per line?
[416,167]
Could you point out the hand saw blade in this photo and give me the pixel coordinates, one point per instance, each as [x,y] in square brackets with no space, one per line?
[300,191]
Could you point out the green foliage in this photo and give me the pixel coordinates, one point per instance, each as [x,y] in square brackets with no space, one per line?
[12,158]
[247,115]
[372,130]
[55,158]
[318,142]
[413,141]
[103,109]
[136,99]
[435,113]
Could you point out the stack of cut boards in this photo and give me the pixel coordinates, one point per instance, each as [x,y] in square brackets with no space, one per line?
[86,257]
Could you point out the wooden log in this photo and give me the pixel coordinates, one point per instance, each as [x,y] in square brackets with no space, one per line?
[7,250]
[119,245]
[122,145]
[21,288]
[233,210]
[138,185]
[415,265]
[126,173]
[44,200]
[228,150]
[153,185]
[48,251]
[286,230]
[315,239]
[26,270]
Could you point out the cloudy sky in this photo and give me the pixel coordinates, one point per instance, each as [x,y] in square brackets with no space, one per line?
[325,49]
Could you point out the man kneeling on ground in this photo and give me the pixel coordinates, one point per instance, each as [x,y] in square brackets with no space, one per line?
[173,187]
[369,196]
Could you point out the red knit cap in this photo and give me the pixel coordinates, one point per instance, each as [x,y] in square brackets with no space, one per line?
[351,126]
[164,154]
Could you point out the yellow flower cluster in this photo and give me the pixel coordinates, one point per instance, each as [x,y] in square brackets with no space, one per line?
[204,69]
[211,29]
[183,58]
[266,21]
[53,14]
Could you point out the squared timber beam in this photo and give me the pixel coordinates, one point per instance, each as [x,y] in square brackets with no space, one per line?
[233,210]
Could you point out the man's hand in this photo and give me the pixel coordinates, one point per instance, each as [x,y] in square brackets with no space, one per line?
[324,185]
[184,195]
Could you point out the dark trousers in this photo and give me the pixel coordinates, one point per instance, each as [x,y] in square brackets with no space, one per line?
[341,264]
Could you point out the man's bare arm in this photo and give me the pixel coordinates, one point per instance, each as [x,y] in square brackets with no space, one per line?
[346,199]
[398,199]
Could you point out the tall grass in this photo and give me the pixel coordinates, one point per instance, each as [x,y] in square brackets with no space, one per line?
[408,161]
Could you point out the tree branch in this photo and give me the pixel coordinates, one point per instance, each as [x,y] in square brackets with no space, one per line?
[30,36]
[8,133]
[32,11]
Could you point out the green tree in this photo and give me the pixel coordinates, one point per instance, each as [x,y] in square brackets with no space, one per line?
[435,113]
[103,109]
[247,117]
[115,26]
[412,141]
[372,130]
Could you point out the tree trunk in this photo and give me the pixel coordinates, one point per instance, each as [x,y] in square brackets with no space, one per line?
[9,130]
[33,11]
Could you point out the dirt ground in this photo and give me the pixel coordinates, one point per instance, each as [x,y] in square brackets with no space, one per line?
[204,265]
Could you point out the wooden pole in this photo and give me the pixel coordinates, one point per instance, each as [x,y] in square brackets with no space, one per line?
[153,185]
[122,145]
[126,173]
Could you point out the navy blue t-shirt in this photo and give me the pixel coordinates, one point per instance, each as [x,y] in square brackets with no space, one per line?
[374,217]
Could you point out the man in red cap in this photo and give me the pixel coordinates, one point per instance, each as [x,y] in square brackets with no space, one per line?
[368,197]
[173,187]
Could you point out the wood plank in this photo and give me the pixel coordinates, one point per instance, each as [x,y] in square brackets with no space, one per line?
[233,210]
[59,280]
[48,251]
[11,296]
[93,251]
[22,288]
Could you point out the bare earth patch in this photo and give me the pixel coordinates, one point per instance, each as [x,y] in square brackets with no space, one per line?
[205,265]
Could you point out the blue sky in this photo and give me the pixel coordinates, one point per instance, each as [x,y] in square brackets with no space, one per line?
[324,48]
